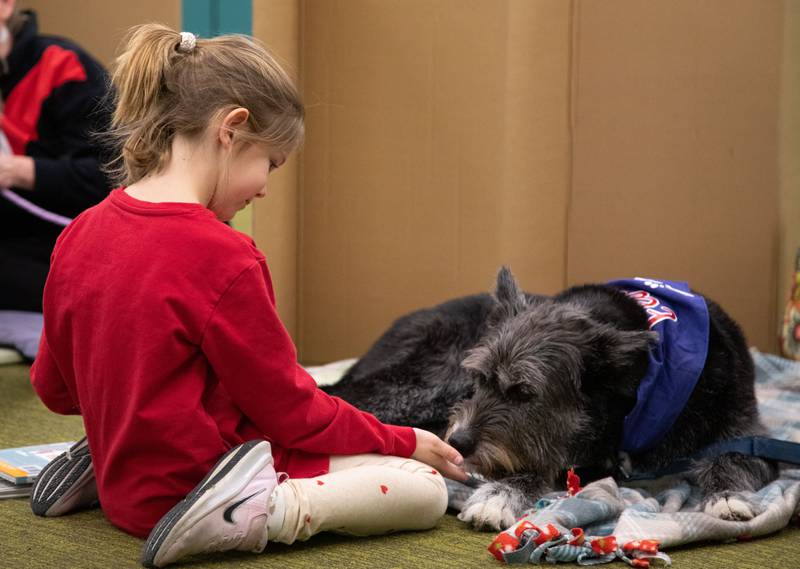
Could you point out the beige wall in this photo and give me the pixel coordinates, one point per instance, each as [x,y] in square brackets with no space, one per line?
[675,144]
[276,217]
[789,151]
[437,149]
[447,137]
[97,25]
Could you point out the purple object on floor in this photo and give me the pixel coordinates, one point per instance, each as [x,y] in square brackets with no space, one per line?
[21,331]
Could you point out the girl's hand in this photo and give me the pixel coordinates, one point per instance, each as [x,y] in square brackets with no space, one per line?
[434,451]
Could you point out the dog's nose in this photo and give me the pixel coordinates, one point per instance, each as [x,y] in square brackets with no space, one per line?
[462,441]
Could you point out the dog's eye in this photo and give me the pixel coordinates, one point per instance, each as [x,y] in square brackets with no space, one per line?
[477,377]
[518,392]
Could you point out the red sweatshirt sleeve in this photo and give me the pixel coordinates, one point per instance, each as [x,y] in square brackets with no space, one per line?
[48,382]
[255,359]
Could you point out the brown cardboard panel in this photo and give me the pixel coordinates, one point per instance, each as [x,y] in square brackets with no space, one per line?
[675,139]
[99,26]
[275,218]
[789,151]
[437,150]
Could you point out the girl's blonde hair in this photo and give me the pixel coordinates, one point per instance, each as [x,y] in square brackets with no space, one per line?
[165,87]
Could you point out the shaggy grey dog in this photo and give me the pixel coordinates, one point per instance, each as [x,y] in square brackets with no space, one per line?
[525,386]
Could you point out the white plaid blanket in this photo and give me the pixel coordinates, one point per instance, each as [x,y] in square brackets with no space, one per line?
[778,392]
[666,510]
[633,517]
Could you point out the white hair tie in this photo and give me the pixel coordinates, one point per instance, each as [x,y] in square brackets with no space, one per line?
[188,41]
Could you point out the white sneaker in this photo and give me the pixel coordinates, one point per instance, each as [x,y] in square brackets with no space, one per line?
[228,510]
[66,484]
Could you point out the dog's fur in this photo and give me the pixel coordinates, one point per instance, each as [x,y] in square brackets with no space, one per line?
[525,386]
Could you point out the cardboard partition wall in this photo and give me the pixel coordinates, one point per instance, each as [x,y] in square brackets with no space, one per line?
[276,217]
[675,145]
[572,140]
[576,141]
[99,26]
[789,127]
[437,150]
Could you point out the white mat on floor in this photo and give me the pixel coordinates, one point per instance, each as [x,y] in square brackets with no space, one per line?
[329,374]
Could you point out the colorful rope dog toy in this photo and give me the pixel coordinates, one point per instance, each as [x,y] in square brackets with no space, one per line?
[524,542]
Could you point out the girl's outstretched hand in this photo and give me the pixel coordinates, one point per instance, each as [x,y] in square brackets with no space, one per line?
[434,451]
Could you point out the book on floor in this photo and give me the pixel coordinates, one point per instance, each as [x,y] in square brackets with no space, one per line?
[21,465]
[11,490]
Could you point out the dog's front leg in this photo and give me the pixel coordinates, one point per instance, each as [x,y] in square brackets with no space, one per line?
[725,482]
[496,505]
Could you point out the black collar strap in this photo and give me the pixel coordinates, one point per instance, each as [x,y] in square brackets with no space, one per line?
[761,447]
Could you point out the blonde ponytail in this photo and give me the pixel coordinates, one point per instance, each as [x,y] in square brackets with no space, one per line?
[168,83]
[140,71]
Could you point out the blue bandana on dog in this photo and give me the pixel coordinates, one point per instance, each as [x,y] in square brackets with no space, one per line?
[681,319]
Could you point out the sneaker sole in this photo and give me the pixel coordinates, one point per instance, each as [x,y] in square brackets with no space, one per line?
[65,474]
[173,523]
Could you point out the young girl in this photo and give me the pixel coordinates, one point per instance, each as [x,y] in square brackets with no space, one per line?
[161,331]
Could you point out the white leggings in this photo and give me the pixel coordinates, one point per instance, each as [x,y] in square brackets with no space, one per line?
[364,494]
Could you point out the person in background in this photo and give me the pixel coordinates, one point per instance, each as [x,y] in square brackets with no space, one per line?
[54,100]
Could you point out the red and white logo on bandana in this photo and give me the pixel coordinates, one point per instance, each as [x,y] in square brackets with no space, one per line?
[656,310]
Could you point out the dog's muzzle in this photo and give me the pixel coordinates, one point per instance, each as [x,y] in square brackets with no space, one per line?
[463,441]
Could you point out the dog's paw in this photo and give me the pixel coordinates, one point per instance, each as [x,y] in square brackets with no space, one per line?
[728,506]
[493,506]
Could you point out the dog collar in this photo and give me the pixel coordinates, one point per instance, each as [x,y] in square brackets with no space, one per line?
[680,318]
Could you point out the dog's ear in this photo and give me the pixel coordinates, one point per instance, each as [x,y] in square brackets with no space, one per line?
[588,344]
[509,300]
[618,345]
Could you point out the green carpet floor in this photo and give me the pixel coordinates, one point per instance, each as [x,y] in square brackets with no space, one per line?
[87,540]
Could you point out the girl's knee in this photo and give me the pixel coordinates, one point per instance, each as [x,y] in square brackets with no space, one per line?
[433,502]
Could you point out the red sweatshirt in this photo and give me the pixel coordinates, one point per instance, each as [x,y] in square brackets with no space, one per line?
[161,331]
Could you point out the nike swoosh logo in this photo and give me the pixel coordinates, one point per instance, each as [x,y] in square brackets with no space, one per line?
[227,515]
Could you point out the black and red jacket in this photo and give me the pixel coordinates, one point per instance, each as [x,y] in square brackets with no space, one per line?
[54,99]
